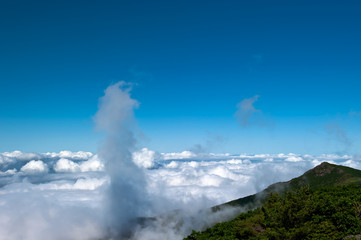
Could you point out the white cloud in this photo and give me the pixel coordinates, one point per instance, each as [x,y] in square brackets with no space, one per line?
[80,155]
[293,159]
[94,164]
[5,159]
[29,212]
[88,184]
[34,167]
[27,156]
[91,165]
[8,172]
[180,155]
[75,155]
[144,158]
[65,165]
[172,164]
[80,184]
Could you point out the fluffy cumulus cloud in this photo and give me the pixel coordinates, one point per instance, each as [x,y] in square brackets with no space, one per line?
[75,155]
[66,165]
[144,158]
[94,164]
[91,165]
[34,167]
[70,155]
[21,156]
[178,155]
[61,195]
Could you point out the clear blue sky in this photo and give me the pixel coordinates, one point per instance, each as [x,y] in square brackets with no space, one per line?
[192,62]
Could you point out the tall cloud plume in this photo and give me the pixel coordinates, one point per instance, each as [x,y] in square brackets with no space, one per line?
[126,194]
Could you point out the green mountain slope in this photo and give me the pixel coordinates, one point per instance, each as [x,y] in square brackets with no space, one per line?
[323,203]
[323,175]
[327,175]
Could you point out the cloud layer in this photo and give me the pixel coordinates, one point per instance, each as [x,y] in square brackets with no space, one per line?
[50,194]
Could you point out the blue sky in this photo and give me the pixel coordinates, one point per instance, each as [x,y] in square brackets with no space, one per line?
[191,63]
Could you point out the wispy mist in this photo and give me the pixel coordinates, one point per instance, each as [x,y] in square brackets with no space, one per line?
[335,131]
[246,112]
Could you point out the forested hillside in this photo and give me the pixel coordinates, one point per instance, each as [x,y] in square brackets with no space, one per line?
[327,213]
[324,203]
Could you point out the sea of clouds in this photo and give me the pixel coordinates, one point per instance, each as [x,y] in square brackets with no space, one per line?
[62,195]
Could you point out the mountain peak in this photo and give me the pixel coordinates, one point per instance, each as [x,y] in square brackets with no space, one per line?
[324,169]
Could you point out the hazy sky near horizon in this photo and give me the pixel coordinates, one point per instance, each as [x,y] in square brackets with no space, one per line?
[221,76]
